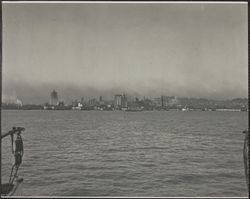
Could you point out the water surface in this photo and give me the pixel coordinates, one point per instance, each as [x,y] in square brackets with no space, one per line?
[155,153]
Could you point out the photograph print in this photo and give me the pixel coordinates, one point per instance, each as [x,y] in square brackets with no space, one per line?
[124,99]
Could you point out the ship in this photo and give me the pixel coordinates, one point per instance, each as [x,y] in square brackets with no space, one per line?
[136,109]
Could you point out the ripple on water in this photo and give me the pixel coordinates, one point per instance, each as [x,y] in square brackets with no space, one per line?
[91,153]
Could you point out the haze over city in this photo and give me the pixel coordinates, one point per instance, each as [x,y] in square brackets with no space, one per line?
[186,50]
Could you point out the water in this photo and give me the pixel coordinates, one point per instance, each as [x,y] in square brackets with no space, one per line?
[158,153]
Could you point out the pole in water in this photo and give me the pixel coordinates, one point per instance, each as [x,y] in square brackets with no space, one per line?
[9,188]
[246,156]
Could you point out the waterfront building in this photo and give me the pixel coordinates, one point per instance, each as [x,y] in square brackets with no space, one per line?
[19,103]
[53,98]
[77,107]
[157,102]
[118,101]
[164,101]
[75,103]
[82,100]
[93,102]
[61,104]
[124,101]
[101,102]
[173,101]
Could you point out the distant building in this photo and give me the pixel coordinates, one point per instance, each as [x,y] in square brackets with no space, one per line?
[93,102]
[118,101]
[78,106]
[165,100]
[101,102]
[61,104]
[157,102]
[75,103]
[124,102]
[82,100]
[53,98]
[19,102]
[173,101]
[168,101]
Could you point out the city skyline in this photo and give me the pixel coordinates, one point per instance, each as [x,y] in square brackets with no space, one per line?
[192,50]
[53,98]
[125,102]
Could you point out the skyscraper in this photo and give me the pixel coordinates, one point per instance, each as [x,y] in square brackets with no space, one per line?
[53,98]
[118,101]
[82,100]
[124,102]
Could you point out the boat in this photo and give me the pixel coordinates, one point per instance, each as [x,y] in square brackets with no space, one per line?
[185,108]
[133,109]
[13,186]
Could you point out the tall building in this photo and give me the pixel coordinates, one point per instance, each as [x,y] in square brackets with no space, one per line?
[101,102]
[168,101]
[164,101]
[53,98]
[75,103]
[118,101]
[124,102]
[157,102]
[93,102]
[82,100]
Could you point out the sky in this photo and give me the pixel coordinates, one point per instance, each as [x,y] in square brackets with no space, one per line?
[186,50]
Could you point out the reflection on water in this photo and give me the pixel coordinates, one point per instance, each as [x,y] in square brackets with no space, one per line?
[161,153]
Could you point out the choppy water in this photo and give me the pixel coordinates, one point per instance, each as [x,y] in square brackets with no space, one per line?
[161,153]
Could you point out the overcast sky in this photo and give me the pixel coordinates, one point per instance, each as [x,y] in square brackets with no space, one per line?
[192,50]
